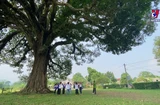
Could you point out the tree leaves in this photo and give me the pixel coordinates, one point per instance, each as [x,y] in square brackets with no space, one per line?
[83,28]
[78,78]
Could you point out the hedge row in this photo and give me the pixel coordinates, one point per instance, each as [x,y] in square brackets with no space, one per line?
[116,86]
[147,85]
[144,85]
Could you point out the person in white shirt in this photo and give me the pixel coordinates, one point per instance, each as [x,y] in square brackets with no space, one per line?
[60,86]
[80,88]
[76,88]
[68,88]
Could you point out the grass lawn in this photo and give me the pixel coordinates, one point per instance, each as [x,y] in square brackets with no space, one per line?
[103,97]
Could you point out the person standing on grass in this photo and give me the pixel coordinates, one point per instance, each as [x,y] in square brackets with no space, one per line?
[60,86]
[76,88]
[94,87]
[71,87]
[55,88]
[63,90]
[68,88]
[80,88]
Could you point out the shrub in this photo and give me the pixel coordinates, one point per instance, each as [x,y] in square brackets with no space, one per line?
[147,85]
[116,86]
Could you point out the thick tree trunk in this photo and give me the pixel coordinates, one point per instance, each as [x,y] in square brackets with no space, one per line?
[37,82]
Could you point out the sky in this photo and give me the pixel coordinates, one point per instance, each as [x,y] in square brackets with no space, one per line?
[140,58]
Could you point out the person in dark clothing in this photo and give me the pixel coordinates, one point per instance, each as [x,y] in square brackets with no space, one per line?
[94,87]
[55,88]
[58,91]
[63,90]
[80,88]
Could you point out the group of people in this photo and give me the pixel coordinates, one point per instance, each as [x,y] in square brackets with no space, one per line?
[61,88]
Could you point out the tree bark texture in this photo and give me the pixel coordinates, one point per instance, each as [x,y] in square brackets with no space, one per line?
[37,82]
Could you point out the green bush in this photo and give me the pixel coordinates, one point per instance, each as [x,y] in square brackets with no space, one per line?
[116,86]
[100,86]
[147,85]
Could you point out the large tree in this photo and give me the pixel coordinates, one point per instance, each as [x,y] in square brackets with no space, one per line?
[102,79]
[49,34]
[125,78]
[111,77]
[146,74]
[78,78]
[94,75]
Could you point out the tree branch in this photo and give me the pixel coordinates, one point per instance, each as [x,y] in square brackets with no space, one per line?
[26,50]
[5,40]
[93,4]
[9,18]
[30,14]
[78,9]
[55,63]
[15,47]
[22,16]
[44,14]
[75,47]
[61,43]
[33,6]
[70,6]
[53,13]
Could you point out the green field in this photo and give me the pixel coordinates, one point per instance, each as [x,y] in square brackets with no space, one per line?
[103,97]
